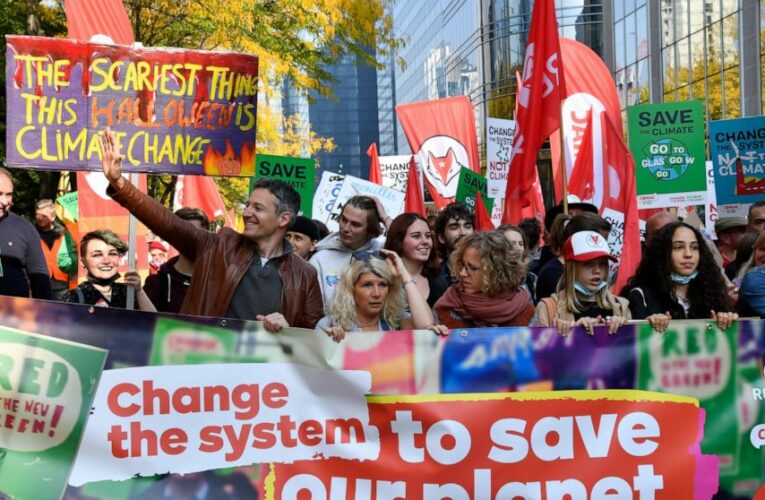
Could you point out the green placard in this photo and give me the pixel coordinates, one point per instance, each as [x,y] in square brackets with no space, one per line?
[468,185]
[46,391]
[70,204]
[300,173]
[174,340]
[667,141]
[692,360]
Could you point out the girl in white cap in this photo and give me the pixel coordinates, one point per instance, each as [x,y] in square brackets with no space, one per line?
[582,297]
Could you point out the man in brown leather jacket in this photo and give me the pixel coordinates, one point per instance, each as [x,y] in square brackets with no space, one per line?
[253,275]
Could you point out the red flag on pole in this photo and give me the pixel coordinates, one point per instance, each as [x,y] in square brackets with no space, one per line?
[621,199]
[375,175]
[539,100]
[581,182]
[442,135]
[199,191]
[482,218]
[85,18]
[414,201]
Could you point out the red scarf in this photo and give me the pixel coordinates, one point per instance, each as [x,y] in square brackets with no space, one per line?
[481,310]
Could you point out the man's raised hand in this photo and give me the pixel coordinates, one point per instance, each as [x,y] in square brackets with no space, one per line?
[111,159]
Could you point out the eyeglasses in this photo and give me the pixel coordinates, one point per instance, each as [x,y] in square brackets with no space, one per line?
[469,269]
[366,255]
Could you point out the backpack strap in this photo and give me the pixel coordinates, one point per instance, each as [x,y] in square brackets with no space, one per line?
[552,308]
[80,295]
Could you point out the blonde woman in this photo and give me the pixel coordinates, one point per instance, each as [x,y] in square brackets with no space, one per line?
[369,298]
[582,297]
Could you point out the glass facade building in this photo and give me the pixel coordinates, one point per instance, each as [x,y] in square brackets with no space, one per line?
[350,118]
[679,50]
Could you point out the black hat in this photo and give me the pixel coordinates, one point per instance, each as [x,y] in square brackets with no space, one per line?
[304,225]
[573,202]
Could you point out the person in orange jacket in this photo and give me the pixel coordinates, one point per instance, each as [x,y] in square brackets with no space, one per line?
[59,248]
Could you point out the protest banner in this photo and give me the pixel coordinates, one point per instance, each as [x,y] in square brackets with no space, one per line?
[46,389]
[152,420]
[172,110]
[568,444]
[737,150]
[392,200]
[667,141]
[299,173]
[468,185]
[471,360]
[499,144]
[395,171]
[326,195]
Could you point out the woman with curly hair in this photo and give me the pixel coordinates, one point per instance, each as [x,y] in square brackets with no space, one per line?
[410,237]
[583,298]
[369,298]
[490,289]
[678,278]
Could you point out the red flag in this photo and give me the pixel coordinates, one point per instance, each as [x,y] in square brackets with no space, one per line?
[581,182]
[538,106]
[482,218]
[442,135]
[85,18]
[590,87]
[414,201]
[621,198]
[375,175]
[199,191]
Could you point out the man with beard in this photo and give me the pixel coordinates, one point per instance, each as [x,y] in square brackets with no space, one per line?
[453,223]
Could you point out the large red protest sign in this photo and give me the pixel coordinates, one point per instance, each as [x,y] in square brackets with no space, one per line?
[175,111]
[536,445]
[442,135]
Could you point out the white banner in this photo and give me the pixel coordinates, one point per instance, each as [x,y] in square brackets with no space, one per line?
[183,419]
[392,200]
[326,195]
[499,144]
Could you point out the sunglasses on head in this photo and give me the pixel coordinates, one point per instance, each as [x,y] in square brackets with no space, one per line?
[367,255]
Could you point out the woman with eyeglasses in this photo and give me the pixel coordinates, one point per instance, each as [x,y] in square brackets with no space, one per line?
[369,298]
[582,298]
[490,290]
[678,278]
[410,237]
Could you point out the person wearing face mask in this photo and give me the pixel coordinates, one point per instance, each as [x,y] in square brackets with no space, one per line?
[679,278]
[22,264]
[100,254]
[582,297]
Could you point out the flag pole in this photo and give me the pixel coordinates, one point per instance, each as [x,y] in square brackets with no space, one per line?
[564,171]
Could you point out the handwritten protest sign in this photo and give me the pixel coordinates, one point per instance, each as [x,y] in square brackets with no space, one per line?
[70,203]
[152,420]
[499,144]
[325,197]
[392,200]
[299,173]
[395,171]
[46,387]
[175,111]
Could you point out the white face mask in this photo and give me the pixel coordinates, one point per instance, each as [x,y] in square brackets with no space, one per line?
[683,280]
[586,291]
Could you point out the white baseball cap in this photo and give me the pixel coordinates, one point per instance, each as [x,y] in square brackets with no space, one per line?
[586,245]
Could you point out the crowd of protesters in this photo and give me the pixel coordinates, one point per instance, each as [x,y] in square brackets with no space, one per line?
[378,273]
